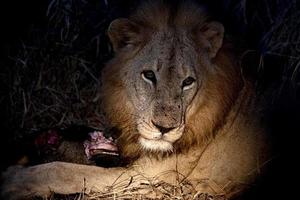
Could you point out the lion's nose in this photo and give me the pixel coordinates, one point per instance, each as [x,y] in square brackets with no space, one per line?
[162,129]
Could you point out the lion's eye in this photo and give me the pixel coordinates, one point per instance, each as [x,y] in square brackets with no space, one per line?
[188,82]
[149,76]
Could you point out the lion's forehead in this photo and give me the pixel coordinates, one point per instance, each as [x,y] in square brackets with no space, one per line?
[172,53]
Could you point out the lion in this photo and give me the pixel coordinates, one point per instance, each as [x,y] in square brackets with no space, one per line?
[177,94]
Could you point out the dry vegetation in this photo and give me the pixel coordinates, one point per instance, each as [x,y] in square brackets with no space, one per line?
[54,78]
[149,189]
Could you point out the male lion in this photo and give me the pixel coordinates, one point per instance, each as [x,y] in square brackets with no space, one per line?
[177,95]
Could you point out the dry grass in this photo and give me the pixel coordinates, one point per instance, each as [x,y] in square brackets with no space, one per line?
[148,189]
[54,77]
[275,25]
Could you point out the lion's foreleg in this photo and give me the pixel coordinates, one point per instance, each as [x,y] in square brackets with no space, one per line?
[58,177]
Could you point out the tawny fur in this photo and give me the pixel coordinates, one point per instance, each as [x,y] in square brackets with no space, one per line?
[222,148]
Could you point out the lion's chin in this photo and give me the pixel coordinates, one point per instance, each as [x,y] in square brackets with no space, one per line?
[156,145]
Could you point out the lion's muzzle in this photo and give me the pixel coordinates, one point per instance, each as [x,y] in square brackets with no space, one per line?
[167,117]
[154,137]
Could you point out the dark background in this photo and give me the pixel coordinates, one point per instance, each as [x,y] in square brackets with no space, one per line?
[44,33]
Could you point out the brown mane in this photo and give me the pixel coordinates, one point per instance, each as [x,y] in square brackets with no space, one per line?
[219,94]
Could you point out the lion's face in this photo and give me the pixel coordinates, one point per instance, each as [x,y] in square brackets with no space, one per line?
[162,80]
[160,77]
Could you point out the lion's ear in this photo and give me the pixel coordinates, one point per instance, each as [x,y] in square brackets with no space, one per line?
[213,33]
[123,32]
